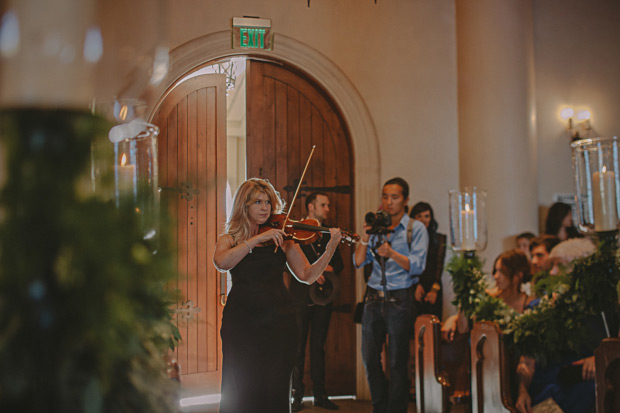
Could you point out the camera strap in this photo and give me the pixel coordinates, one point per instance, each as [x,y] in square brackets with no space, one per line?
[410,232]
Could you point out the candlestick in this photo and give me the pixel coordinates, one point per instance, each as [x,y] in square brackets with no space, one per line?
[604,194]
[469,239]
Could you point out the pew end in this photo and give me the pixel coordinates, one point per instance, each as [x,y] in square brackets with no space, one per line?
[607,360]
[432,386]
[490,370]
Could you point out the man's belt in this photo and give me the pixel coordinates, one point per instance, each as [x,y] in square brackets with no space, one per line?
[391,296]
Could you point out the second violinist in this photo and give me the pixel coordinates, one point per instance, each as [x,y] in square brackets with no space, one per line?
[259,330]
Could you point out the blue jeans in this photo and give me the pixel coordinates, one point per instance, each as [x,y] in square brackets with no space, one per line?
[391,317]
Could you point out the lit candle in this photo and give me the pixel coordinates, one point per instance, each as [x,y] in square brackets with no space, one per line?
[604,196]
[467,219]
[124,176]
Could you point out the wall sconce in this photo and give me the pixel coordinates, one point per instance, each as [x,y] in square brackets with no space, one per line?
[579,126]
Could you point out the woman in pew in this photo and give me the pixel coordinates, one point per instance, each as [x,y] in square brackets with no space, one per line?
[569,383]
[510,270]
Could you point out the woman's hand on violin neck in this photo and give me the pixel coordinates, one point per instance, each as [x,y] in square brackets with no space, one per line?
[277,236]
[336,237]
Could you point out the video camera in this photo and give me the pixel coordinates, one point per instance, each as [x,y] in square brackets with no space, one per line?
[379,222]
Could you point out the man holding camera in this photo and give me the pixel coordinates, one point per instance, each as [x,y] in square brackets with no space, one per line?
[396,246]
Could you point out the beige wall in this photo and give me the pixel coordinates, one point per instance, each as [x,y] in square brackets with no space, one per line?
[399,54]
[577,62]
[496,111]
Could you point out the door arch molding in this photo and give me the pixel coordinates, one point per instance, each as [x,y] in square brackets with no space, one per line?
[202,50]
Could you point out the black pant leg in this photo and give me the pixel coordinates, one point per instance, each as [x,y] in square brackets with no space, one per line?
[319,326]
[303,322]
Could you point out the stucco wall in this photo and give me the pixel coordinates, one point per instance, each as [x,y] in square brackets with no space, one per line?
[399,54]
[577,63]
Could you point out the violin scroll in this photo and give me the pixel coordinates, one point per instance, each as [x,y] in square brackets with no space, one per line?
[305,231]
[349,237]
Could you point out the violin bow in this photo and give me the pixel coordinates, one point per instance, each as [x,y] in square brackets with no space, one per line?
[296,191]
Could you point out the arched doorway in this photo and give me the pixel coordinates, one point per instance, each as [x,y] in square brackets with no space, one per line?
[330,83]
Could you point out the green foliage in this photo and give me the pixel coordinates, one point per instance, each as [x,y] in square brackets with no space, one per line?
[84,319]
[468,283]
[558,324]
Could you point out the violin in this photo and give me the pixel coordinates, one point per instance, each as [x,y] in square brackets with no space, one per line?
[305,231]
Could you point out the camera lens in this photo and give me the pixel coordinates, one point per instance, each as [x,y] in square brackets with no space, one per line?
[384,218]
[370,218]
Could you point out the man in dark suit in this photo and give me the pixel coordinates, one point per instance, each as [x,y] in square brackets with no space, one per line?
[314,318]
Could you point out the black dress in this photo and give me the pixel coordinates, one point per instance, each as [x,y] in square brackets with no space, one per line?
[432,274]
[259,336]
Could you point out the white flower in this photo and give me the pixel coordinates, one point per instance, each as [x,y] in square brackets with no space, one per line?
[562,288]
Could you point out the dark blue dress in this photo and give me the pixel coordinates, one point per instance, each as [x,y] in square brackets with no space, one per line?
[259,336]
[562,382]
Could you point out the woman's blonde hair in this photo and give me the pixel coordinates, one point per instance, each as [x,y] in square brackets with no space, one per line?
[238,225]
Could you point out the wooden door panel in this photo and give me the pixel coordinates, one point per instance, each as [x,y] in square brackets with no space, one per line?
[287,114]
[192,160]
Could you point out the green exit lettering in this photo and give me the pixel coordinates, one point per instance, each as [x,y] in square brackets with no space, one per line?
[252,38]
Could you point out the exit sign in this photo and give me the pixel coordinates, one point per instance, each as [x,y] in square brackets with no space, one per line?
[251,33]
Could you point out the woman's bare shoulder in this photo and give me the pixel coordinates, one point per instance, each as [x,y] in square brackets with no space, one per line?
[226,240]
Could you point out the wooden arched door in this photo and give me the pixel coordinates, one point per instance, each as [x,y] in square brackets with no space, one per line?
[192,178]
[287,114]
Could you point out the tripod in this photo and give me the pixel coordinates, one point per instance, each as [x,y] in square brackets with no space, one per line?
[382,238]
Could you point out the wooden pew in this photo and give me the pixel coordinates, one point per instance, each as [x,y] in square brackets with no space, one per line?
[607,360]
[455,362]
[490,370]
[432,388]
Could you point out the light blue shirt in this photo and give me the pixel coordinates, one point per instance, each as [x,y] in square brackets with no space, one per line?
[396,276]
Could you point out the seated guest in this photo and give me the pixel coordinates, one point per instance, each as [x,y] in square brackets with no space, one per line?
[540,248]
[523,243]
[510,271]
[559,222]
[563,254]
[569,383]
[428,295]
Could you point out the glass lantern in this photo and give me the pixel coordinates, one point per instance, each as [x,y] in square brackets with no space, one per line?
[124,163]
[468,226]
[597,185]
[87,65]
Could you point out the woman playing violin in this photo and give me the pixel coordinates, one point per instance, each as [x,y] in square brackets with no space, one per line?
[259,330]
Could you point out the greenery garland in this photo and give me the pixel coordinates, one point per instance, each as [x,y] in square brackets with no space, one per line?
[84,319]
[559,323]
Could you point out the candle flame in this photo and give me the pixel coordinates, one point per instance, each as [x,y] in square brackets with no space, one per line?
[122,115]
[123,160]
[604,169]
[467,207]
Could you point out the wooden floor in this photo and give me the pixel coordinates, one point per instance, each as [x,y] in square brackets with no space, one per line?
[349,406]
[346,406]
